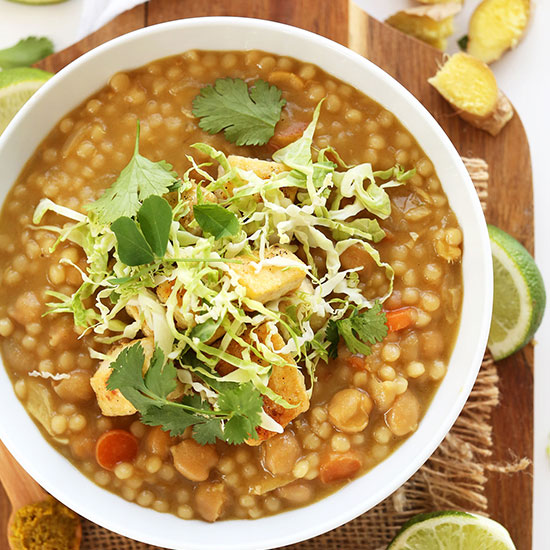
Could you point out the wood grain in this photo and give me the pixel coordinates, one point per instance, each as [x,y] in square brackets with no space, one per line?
[128,21]
[20,486]
[510,193]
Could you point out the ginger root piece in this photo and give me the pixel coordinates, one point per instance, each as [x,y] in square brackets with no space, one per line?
[497,26]
[471,88]
[439,1]
[432,24]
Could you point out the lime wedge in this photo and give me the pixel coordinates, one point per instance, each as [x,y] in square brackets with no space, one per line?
[16,87]
[519,295]
[451,530]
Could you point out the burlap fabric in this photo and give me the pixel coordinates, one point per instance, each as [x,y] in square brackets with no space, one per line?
[453,478]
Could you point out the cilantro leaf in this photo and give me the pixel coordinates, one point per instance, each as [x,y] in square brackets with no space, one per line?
[243,404]
[236,426]
[240,399]
[216,220]
[204,331]
[132,247]
[140,179]
[26,52]
[463,42]
[155,219]
[127,377]
[138,244]
[160,378]
[333,337]
[233,419]
[357,330]
[170,419]
[208,431]
[247,117]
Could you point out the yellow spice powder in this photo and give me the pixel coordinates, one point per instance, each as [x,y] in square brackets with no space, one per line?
[46,525]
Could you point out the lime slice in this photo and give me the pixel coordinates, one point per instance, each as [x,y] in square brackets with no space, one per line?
[16,87]
[519,295]
[451,530]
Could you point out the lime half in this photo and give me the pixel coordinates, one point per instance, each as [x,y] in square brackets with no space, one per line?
[451,530]
[16,87]
[519,295]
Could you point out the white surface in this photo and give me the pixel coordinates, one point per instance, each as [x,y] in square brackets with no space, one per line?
[50,469]
[96,13]
[64,23]
[522,74]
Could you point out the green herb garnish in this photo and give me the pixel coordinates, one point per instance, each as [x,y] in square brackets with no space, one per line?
[216,220]
[155,218]
[233,419]
[140,179]
[204,331]
[463,42]
[26,52]
[368,326]
[133,225]
[132,247]
[138,244]
[247,117]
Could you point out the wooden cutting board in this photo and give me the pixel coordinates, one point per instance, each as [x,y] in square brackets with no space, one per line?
[510,204]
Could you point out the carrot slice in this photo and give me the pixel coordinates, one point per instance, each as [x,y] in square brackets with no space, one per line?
[287,135]
[399,319]
[115,446]
[338,466]
[356,362]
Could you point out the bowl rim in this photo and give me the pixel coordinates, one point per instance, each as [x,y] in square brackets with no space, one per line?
[301,529]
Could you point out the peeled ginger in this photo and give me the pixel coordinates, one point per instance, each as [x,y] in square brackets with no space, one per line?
[496,26]
[432,24]
[471,88]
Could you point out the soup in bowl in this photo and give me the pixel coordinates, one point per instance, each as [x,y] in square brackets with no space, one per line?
[234,278]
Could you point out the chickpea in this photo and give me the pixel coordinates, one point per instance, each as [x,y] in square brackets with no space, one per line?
[349,410]
[194,461]
[338,466]
[432,344]
[210,499]
[75,389]
[297,492]
[383,393]
[286,80]
[280,453]
[402,418]
[82,446]
[158,442]
[27,309]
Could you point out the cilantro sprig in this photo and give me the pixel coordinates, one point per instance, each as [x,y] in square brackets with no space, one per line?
[247,117]
[357,330]
[139,242]
[140,179]
[233,419]
[26,52]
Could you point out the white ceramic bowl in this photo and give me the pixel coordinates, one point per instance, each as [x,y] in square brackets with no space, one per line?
[92,71]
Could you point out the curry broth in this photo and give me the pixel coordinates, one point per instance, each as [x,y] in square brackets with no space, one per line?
[84,154]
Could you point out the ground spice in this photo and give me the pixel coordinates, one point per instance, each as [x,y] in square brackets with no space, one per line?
[46,525]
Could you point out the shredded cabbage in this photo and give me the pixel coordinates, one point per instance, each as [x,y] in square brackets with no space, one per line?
[192,300]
